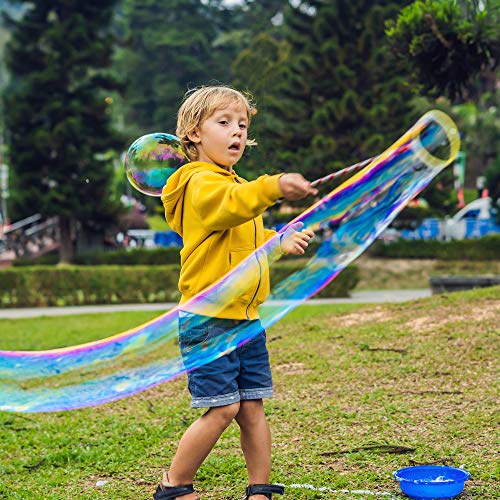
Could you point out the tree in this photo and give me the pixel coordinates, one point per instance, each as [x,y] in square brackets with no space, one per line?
[167,49]
[451,49]
[447,44]
[58,117]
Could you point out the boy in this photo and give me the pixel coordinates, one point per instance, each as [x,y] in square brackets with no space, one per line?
[218,215]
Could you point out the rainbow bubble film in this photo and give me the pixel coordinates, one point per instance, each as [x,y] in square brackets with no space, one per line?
[151,160]
[143,357]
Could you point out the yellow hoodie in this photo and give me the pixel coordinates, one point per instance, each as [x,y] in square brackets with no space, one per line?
[218,216]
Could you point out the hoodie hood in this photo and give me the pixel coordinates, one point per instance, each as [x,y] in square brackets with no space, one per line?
[174,190]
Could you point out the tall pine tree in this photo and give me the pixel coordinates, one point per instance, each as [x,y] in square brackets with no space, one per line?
[167,49]
[57,116]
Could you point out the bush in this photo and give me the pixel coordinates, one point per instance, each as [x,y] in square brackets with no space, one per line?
[72,285]
[41,286]
[135,257]
[479,249]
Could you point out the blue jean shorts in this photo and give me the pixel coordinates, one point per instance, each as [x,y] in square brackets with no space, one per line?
[241,374]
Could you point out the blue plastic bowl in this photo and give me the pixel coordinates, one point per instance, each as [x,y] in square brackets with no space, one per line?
[431,482]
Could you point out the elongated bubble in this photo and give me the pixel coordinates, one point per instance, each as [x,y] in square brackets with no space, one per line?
[148,355]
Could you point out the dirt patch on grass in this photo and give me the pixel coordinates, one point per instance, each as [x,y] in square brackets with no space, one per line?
[431,322]
[290,368]
[371,315]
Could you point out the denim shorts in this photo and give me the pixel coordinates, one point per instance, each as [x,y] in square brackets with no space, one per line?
[241,374]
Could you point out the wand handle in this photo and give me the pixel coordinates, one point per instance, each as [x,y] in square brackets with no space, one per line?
[346,170]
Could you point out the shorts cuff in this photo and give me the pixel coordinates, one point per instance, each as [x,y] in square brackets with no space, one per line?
[211,401]
[263,392]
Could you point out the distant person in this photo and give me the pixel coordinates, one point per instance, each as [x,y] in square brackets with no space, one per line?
[481,187]
[219,217]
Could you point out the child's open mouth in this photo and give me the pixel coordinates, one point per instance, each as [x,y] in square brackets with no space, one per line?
[235,146]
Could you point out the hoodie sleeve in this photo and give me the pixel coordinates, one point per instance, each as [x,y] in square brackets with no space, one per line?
[222,203]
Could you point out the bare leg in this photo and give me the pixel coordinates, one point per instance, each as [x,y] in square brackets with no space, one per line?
[255,442]
[196,444]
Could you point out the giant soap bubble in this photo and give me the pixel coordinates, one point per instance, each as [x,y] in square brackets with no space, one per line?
[148,355]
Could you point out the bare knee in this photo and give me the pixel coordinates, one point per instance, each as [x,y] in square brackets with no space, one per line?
[223,415]
[250,413]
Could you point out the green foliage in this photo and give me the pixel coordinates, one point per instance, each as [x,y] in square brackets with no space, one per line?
[480,134]
[167,47]
[327,91]
[73,285]
[58,122]
[479,127]
[260,67]
[193,45]
[474,249]
[135,257]
[445,46]
[49,286]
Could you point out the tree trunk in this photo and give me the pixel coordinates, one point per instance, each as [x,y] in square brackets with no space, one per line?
[66,248]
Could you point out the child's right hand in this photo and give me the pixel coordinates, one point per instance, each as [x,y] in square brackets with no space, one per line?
[295,187]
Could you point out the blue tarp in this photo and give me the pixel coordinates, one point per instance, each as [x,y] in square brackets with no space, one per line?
[167,239]
[428,230]
[431,229]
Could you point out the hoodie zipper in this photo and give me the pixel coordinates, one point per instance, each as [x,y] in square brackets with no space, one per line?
[260,269]
[258,262]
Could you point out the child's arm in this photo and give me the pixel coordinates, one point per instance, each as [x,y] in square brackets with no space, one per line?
[222,204]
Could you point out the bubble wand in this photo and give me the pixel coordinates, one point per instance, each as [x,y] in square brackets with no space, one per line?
[347,170]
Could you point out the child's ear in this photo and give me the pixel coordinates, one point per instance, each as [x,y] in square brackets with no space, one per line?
[194,136]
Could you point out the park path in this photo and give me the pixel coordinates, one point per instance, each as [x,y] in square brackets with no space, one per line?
[360,297]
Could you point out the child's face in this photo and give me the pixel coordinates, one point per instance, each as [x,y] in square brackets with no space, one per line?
[222,137]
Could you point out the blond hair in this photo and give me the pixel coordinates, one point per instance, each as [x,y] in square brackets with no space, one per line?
[199,104]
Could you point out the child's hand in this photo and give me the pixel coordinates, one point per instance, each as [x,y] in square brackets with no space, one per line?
[294,241]
[295,187]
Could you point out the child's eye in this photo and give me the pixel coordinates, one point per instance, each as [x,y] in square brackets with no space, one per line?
[223,122]
[243,126]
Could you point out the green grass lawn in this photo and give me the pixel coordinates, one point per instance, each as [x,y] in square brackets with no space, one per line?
[360,392]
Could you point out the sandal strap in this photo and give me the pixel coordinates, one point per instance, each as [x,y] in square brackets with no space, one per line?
[265,489]
[172,492]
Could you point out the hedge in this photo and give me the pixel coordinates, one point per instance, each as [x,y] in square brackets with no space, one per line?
[41,286]
[131,257]
[479,249]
